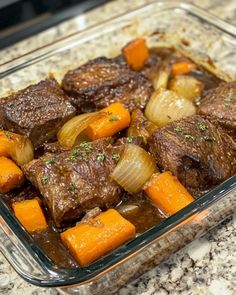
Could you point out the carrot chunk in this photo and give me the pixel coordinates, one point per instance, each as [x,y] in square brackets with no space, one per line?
[89,241]
[117,118]
[182,68]
[168,193]
[5,145]
[30,215]
[10,175]
[136,53]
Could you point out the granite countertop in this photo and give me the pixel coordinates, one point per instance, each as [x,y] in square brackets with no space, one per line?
[207,265]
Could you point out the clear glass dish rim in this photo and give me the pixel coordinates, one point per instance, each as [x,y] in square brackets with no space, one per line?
[84,275]
[79,276]
[71,40]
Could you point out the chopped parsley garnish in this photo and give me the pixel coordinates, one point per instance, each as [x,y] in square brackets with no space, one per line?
[226,104]
[114,118]
[72,187]
[209,138]
[101,157]
[116,157]
[232,97]
[189,136]
[74,155]
[129,139]
[86,146]
[228,100]
[49,162]
[45,179]
[202,127]
[178,129]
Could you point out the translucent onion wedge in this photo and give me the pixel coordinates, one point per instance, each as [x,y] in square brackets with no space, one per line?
[134,168]
[17,147]
[128,209]
[69,132]
[166,106]
[161,80]
[186,86]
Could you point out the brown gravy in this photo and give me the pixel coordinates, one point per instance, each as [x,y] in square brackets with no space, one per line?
[137,209]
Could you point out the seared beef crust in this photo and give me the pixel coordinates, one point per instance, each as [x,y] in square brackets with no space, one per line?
[103,81]
[76,181]
[195,151]
[37,111]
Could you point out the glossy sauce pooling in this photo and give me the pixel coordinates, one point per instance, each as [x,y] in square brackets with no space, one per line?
[143,215]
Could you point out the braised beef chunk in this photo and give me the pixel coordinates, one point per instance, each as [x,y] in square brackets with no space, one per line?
[37,111]
[54,148]
[195,151]
[220,104]
[103,81]
[78,180]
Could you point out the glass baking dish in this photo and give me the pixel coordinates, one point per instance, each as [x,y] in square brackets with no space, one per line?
[199,35]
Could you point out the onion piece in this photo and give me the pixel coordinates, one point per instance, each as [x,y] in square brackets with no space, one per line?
[69,132]
[166,106]
[128,209]
[90,215]
[161,80]
[140,126]
[186,86]
[17,147]
[134,168]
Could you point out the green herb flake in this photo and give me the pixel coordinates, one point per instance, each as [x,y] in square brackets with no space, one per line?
[72,188]
[116,157]
[100,157]
[178,129]
[45,179]
[202,127]
[209,138]
[74,155]
[114,118]
[86,146]
[129,139]
[232,97]
[49,162]
[226,104]
[189,136]
[228,100]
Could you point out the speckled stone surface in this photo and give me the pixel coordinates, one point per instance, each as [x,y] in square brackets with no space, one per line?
[207,265]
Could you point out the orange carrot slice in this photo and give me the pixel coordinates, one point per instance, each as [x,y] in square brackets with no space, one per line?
[118,118]
[10,175]
[5,145]
[168,193]
[136,53]
[89,241]
[30,215]
[182,68]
